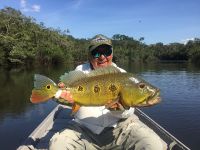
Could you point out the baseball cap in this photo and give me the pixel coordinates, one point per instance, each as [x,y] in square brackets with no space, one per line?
[99,40]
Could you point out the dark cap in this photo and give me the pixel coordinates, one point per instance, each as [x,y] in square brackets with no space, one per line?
[99,40]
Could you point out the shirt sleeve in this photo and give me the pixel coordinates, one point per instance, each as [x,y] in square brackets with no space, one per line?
[84,68]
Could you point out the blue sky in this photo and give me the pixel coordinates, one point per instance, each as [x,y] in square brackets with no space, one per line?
[163,21]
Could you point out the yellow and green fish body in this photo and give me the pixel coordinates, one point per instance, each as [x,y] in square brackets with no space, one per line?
[99,87]
[97,90]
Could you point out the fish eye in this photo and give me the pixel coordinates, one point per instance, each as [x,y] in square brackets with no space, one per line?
[48,87]
[141,85]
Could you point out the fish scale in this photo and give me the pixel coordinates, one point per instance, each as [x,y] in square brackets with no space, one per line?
[99,87]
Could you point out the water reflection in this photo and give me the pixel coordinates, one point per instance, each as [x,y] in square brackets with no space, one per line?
[160,67]
[16,86]
[18,117]
[15,90]
[178,112]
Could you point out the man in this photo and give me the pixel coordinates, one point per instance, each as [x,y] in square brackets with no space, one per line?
[101,128]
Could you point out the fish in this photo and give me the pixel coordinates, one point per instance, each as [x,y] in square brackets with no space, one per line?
[101,87]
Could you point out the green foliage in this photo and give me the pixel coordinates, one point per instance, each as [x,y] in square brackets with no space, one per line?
[24,42]
[193,48]
[50,56]
[2,57]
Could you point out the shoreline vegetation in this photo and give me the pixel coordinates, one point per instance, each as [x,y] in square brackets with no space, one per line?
[23,42]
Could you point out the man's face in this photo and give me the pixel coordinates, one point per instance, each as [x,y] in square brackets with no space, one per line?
[101,56]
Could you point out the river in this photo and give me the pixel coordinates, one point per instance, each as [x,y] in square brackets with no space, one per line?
[179,111]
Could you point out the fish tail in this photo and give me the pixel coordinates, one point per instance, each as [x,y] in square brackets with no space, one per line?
[44,89]
[37,97]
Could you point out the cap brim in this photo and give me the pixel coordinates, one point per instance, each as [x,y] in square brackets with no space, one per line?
[96,45]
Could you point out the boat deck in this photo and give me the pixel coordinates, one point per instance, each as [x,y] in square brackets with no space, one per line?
[60,116]
[54,122]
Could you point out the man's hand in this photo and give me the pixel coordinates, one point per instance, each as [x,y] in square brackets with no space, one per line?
[66,95]
[116,106]
[61,85]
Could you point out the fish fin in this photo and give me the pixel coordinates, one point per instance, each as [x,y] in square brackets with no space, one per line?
[103,71]
[114,104]
[40,81]
[111,103]
[36,97]
[75,108]
[69,78]
[73,76]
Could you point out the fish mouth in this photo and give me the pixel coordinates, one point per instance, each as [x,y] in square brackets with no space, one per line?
[151,100]
[154,99]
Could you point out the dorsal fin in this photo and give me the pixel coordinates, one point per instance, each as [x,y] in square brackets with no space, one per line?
[69,78]
[73,76]
[103,71]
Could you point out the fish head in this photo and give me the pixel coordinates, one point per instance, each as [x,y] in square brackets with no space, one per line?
[44,89]
[140,93]
[149,95]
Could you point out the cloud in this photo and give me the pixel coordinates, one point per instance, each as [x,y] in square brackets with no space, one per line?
[36,8]
[187,40]
[23,3]
[29,8]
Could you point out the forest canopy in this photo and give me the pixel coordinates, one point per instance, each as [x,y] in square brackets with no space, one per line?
[25,42]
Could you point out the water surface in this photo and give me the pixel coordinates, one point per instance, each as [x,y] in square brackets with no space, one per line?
[178,112]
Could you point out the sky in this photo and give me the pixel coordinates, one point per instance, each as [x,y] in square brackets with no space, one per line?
[165,21]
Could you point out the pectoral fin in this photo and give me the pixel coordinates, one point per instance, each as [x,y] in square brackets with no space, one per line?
[75,108]
[114,104]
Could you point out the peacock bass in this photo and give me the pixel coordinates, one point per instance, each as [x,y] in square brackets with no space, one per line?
[97,88]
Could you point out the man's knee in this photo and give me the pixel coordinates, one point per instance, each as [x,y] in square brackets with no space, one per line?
[148,139]
[141,136]
[150,143]
[67,139]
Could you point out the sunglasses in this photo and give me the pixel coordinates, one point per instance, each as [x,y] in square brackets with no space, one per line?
[98,52]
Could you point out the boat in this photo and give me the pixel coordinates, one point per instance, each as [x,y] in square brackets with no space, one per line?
[60,116]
